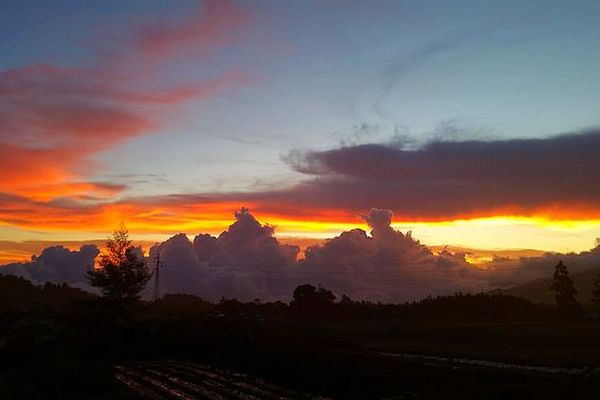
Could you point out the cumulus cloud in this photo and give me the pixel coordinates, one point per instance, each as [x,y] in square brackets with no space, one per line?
[246,262]
[387,265]
[57,264]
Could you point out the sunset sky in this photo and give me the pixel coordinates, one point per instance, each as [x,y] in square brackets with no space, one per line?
[475,122]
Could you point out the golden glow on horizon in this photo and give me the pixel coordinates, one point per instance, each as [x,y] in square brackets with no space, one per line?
[492,233]
[565,225]
[158,223]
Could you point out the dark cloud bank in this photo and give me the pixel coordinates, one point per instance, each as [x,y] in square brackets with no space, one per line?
[442,179]
[446,179]
[247,262]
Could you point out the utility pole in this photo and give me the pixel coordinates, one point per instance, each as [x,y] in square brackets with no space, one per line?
[157,276]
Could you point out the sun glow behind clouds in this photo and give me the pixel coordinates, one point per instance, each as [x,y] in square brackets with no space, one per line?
[481,237]
[509,232]
[502,232]
[483,233]
[156,219]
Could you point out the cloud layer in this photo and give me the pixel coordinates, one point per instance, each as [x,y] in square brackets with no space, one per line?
[247,262]
[444,180]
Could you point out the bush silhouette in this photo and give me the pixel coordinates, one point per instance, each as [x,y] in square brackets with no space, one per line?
[311,303]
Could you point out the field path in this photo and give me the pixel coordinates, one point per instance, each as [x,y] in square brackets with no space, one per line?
[189,381]
[454,362]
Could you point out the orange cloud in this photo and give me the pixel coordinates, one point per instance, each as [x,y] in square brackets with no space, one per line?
[55,118]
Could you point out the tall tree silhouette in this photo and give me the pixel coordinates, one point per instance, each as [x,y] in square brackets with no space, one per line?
[564,289]
[596,292]
[596,288]
[121,273]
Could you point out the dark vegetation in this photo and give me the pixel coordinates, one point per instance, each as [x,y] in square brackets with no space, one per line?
[57,342]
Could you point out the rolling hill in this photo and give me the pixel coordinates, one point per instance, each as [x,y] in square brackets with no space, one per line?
[538,291]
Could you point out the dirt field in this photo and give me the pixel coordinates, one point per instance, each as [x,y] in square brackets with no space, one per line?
[187,381]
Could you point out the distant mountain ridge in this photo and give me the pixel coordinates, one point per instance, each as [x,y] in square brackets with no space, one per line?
[538,291]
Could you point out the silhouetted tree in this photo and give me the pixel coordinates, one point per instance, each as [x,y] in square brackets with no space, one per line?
[565,290]
[121,274]
[596,289]
[308,294]
[596,292]
[309,302]
[346,300]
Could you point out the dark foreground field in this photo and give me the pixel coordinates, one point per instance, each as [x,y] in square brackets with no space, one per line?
[185,380]
[535,362]
[184,348]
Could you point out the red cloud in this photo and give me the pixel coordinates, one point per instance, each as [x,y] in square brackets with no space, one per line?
[55,118]
[216,22]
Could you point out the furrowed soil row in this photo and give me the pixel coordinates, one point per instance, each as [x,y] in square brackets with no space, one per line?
[138,387]
[205,389]
[258,386]
[221,384]
[145,380]
[253,387]
[187,381]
